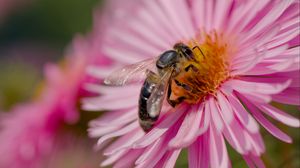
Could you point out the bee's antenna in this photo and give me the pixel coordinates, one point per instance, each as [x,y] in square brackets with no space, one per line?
[199,50]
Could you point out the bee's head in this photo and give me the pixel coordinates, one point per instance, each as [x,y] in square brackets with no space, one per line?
[184,50]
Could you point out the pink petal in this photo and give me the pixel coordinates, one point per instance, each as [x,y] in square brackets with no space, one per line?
[221,11]
[136,42]
[193,152]
[188,129]
[100,72]
[100,131]
[259,163]
[113,91]
[279,115]
[209,14]
[288,96]
[244,117]
[198,9]
[293,74]
[261,40]
[244,67]
[291,53]
[161,18]
[269,18]
[53,73]
[259,98]
[115,118]
[244,14]
[292,67]
[205,121]
[254,161]
[263,88]
[256,142]
[215,114]
[113,158]
[277,51]
[232,134]
[272,79]
[154,153]
[151,151]
[241,60]
[128,161]
[291,12]
[264,122]
[146,26]
[147,23]
[157,131]
[131,56]
[181,22]
[126,117]
[263,69]
[198,152]
[218,150]
[169,159]
[290,22]
[249,162]
[194,132]
[283,38]
[124,142]
[225,108]
[119,132]
[92,104]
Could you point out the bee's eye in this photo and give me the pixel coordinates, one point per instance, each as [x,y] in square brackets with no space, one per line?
[187,51]
[184,50]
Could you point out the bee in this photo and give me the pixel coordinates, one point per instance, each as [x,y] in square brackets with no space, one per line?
[176,70]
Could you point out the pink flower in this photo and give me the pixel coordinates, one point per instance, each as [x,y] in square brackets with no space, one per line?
[25,135]
[29,132]
[72,151]
[250,60]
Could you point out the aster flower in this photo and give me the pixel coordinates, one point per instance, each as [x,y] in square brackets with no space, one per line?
[251,59]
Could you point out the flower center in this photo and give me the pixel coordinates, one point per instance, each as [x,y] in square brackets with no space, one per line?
[211,67]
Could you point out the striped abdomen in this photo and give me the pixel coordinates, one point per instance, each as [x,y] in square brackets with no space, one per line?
[146,121]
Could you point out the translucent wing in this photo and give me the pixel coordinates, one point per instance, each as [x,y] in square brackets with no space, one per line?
[130,73]
[154,103]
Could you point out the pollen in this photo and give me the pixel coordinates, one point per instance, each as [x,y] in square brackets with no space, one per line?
[211,66]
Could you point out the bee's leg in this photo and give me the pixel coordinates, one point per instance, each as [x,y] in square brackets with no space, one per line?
[169,95]
[179,100]
[182,85]
[175,102]
[191,66]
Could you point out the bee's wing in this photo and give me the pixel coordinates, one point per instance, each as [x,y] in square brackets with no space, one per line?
[130,73]
[155,101]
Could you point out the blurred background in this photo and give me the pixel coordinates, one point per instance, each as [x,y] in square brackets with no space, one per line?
[34,32]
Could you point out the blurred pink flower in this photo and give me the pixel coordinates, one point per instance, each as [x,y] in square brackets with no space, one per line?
[71,151]
[29,131]
[250,60]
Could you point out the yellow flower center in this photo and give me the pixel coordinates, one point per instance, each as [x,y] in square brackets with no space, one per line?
[212,54]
